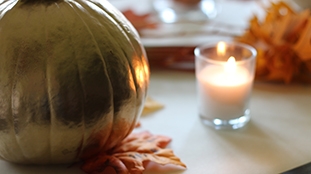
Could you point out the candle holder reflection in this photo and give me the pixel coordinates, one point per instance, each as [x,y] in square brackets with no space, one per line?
[171,11]
[225,74]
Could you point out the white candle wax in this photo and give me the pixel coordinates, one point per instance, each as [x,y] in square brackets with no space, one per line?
[223,95]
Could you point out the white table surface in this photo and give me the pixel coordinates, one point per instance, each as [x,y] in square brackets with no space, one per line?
[276,139]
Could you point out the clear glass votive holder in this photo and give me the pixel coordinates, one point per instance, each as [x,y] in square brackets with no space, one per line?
[224,75]
[172,11]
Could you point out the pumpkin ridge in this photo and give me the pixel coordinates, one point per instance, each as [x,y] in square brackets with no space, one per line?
[47,83]
[83,108]
[133,74]
[111,19]
[25,114]
[127,30]
[132,42]
[95,42]
[12,10]
[51,110]
[15,126]
[104,65]
[8,6]
[82,146]
[129,64]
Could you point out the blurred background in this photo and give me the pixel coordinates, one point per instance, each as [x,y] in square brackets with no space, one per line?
[171,29]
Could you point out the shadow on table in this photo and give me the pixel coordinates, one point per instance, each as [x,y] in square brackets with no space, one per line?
[262,145]
[41,169]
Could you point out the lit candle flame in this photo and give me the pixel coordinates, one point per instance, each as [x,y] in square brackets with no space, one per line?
[230,66]
[221,48]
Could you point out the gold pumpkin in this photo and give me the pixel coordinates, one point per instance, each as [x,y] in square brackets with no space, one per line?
[73,79]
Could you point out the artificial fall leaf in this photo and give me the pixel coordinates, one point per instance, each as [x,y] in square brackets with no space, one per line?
[151,106]
[308,65]
[132,153]
[282,41]
[139,22]
[134,161]
[303,46]
[261,64]
[143,142]
[188,2]
[296,27]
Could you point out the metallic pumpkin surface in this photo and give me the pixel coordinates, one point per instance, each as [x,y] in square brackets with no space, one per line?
[73,79]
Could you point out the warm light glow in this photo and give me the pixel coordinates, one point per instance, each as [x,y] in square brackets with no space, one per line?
[230,65]
[146,69]
[142,73]
[221,48]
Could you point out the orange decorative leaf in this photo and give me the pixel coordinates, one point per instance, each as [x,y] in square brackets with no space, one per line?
[151,106]
[142,142]
[98,165]
[140,22]
[282,41]
[303,46]
[134,161]
[188,2]
[130,156]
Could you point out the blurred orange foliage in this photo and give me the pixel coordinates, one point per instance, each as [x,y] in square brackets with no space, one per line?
[283,44]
